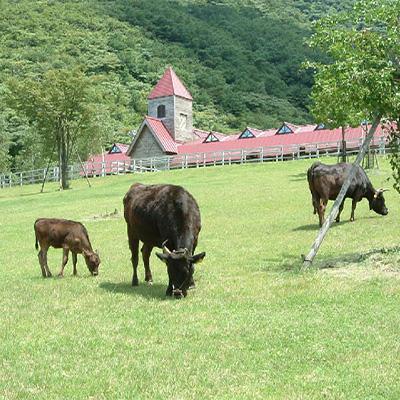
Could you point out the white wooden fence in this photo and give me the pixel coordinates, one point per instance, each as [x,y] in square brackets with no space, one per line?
[379,146]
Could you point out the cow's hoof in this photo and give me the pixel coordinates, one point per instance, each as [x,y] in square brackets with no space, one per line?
[135,282]
[149,283]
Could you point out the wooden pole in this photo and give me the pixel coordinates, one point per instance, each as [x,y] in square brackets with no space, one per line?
[84,170]
[47,169]
[307,261]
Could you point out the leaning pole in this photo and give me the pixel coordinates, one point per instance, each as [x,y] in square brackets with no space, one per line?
[308,259]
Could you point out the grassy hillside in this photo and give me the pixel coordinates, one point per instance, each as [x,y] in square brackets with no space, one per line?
[255,327]
[240,59]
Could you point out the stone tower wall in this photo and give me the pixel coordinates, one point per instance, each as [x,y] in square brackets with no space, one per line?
[178,116]
[169,104]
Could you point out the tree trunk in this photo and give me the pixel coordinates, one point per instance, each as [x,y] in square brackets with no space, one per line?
[64,183]
[335,208]
[344,155]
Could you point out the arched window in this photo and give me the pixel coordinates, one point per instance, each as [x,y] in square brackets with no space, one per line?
[161,111]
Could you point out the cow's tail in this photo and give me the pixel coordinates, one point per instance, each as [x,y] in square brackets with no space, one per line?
[310,179]
[310,172]
[36,241]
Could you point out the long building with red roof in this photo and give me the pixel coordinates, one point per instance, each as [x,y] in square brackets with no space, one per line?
[168,129]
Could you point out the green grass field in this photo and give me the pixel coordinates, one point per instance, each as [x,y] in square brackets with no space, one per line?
[256,326]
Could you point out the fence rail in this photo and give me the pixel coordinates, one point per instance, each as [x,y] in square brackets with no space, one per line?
[379,145]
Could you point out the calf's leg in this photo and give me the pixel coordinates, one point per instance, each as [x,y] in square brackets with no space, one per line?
[44,261]
[40,257]
[64,261]
[146,251]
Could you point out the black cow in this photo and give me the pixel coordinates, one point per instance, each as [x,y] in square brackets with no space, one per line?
[68,235]
[165,216]
[325,182]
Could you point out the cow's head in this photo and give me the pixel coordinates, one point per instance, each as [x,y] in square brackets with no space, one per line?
[378,202]
[180,266]
[92,261]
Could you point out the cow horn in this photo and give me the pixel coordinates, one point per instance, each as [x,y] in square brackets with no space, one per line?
[379,191]
[166,250]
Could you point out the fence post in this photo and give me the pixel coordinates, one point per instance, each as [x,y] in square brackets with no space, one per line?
[382,149]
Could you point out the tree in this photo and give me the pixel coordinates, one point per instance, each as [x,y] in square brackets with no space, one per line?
[64,108]
[363,77]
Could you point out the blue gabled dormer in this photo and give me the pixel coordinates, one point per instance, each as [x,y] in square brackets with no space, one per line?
[246,134]
[284,129]
[319,127]
[211,138]
[115,149]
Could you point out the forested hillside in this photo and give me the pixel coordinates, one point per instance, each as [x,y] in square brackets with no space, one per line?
[240,59]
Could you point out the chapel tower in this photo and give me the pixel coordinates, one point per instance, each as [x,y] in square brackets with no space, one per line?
[171,102]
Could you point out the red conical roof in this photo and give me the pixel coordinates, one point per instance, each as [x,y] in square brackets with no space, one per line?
[170,85]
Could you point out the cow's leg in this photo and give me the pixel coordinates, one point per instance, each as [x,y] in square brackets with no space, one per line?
[340,210]
[74,261]
[321,211]
[192,285]
[353,207]
[146,251]
[40,257]
[134,246]
[64,261]
[169,289]
[44,261]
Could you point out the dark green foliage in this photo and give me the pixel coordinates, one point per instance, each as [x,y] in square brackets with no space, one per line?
[240,59]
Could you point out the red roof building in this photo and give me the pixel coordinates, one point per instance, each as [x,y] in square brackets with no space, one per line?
[169,85]
[168,130]
[109,162]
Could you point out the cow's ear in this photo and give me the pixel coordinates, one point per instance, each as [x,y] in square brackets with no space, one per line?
[162,257]
[198,258]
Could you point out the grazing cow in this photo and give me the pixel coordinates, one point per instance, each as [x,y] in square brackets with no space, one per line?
[325,182]
[68,235]
[165,216]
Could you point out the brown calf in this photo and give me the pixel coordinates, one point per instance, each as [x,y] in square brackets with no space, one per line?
[68,235]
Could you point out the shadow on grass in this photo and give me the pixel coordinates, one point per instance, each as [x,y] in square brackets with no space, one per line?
[344,221]
[284,262]
[298,177]
[354,258]
[155,291]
